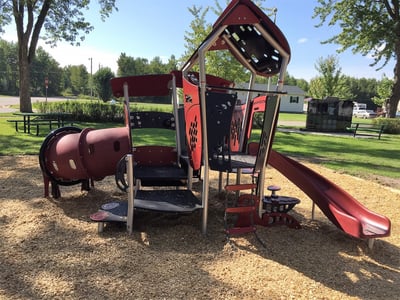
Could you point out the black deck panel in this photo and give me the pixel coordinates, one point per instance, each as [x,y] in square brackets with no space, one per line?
[159,173]
[242,161]
[167,200]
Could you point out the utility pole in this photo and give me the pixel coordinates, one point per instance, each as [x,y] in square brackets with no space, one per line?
[46,84]
[91,77]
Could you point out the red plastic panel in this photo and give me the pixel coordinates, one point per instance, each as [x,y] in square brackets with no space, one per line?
[142,85]
[194,136]
[155,156]
[257,105]
[236,128]
[211,79]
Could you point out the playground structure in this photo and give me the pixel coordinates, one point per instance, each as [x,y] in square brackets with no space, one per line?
[70,155]
[212,130]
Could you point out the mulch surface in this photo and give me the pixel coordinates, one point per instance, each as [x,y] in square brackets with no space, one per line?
[49,248]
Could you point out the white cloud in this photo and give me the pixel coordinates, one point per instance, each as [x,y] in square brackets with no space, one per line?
[302,40]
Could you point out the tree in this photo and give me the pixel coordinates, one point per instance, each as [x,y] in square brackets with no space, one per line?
[316,89]
[156,66]
[172,64]
[101,81]
[62,20]
[303,84]
[362,89]
[331,82]
[290,80]
[367,26]
[66,81]
[130,66]
[79,79]
[199,30]
[8,68]
[384,89]
[45,67]
[126,65]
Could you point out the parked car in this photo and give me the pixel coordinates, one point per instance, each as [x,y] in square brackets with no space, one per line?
[398,114]
[364,113]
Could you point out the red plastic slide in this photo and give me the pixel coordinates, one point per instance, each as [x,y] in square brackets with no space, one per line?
[339,206]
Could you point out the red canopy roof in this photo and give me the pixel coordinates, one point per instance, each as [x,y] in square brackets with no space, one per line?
[157,84]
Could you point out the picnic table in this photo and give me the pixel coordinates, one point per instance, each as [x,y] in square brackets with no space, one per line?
[36,119]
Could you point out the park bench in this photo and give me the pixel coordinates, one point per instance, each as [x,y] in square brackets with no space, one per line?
[366,130]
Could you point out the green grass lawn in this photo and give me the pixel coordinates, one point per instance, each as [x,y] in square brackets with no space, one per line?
[358,156]
[296,117]
[292,117]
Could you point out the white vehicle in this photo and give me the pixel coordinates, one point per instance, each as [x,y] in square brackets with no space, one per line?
[359,106]
[364,113]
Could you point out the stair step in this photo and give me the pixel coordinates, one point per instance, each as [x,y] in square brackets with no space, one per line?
[240,230]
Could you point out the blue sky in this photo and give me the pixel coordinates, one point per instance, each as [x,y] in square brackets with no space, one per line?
[157,28]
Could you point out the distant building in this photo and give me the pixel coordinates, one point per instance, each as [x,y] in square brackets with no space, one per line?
[292,101]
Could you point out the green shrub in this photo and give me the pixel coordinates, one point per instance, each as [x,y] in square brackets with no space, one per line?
[97,111]
[391,125]
[87,111]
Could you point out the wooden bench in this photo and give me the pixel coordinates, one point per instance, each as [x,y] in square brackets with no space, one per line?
[366,130]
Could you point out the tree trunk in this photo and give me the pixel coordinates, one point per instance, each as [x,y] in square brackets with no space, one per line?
[391,107]
[25,104]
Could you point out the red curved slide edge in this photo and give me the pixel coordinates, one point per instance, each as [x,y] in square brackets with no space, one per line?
[339,206]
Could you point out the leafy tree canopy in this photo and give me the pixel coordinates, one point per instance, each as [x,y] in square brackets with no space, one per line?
[61,20]
[384,90]
[130,66]
[367,27]
[101,80]
[331,82]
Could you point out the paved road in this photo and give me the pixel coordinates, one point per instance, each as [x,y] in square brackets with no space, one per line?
[7,101]
[291,123]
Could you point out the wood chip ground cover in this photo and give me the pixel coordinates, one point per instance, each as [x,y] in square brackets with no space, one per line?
[49,249]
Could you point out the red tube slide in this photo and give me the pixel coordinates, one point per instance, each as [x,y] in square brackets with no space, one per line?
[339,206]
